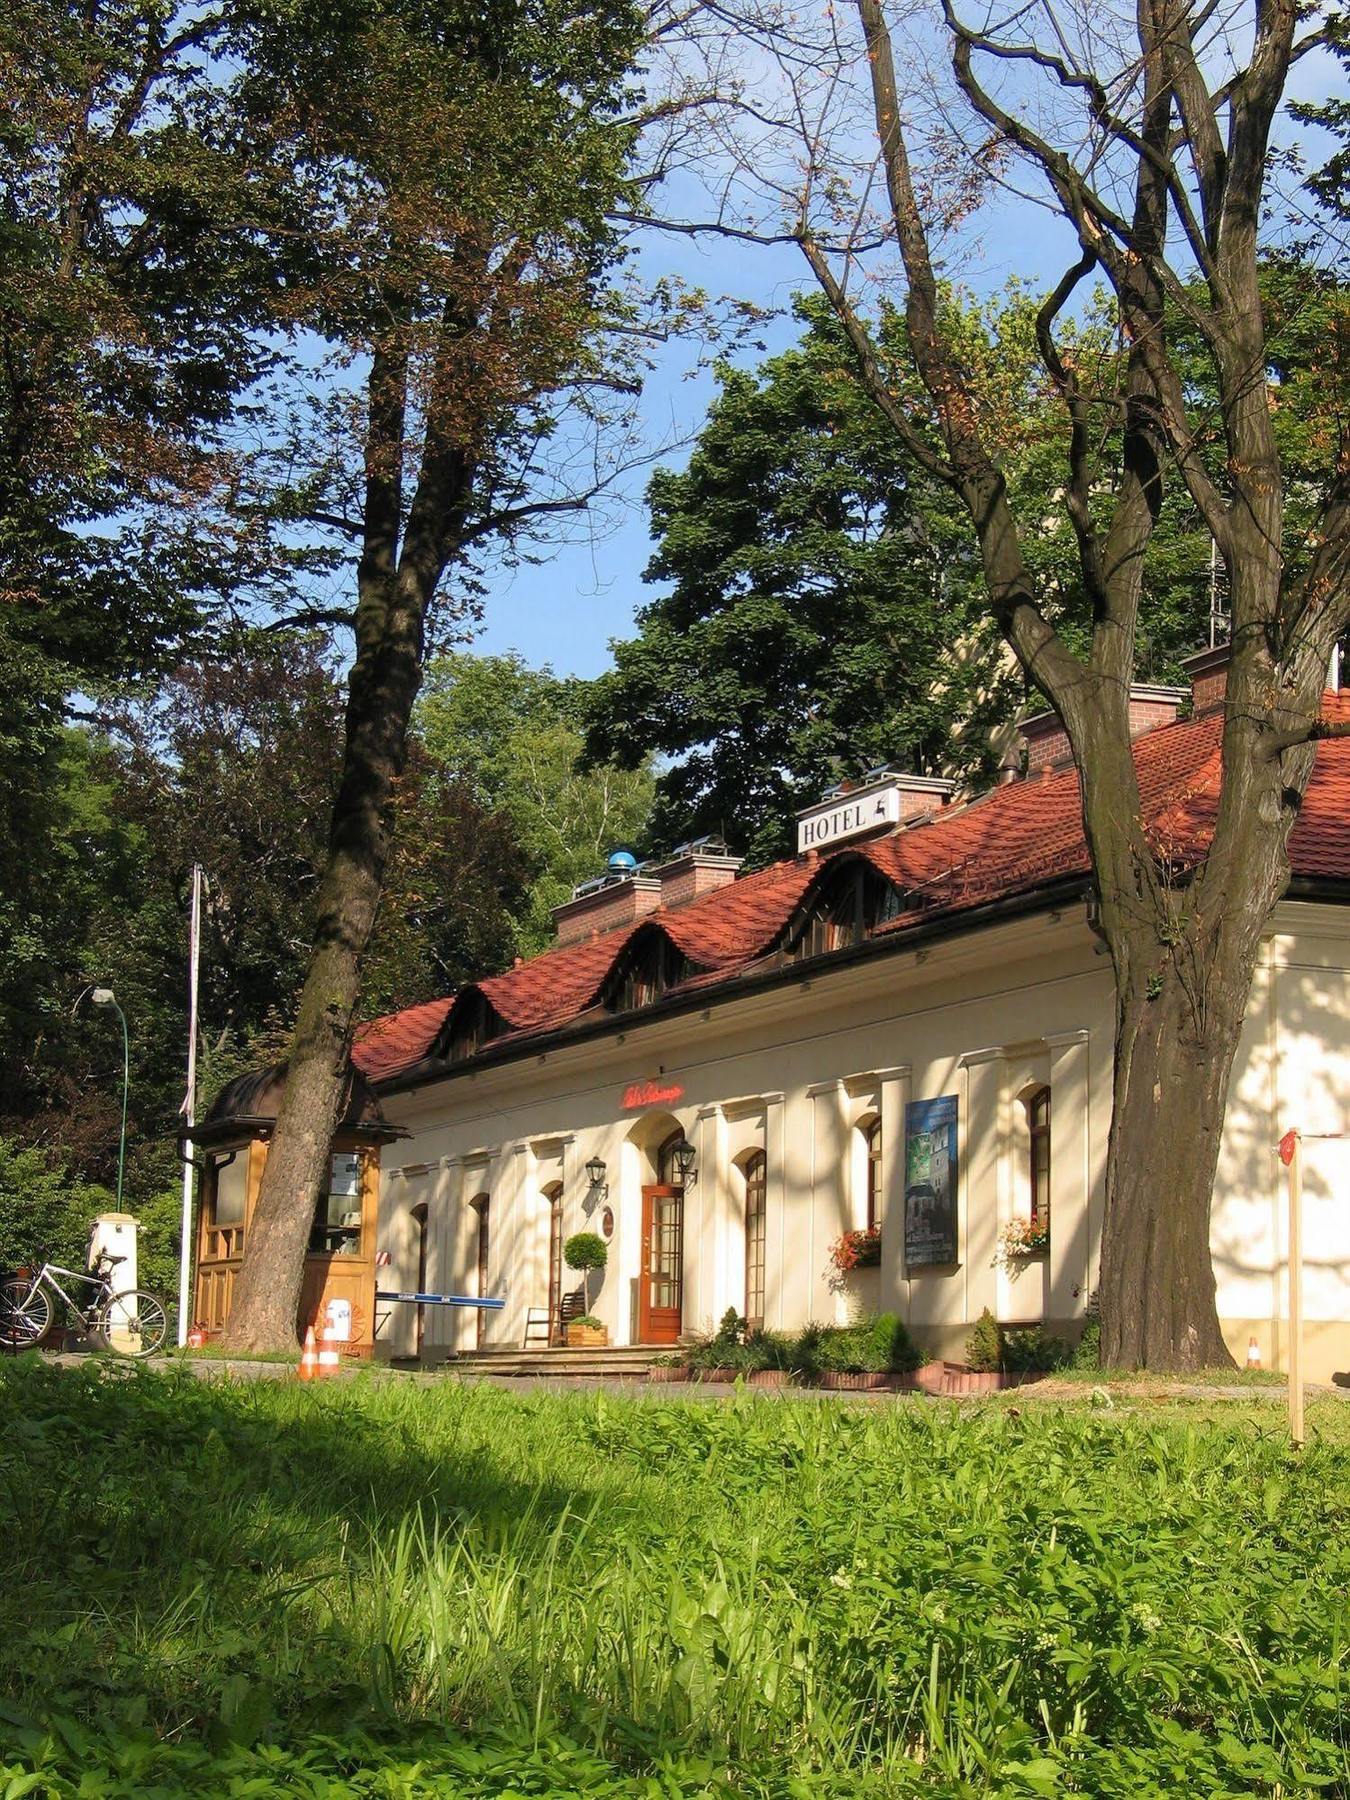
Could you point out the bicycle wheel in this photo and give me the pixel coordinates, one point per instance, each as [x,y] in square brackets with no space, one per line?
[25,1315]
[135,1323]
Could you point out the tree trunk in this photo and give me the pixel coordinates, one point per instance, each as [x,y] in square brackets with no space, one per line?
[1157,1292]
[384,683]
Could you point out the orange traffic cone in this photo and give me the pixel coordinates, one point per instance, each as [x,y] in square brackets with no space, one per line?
[1253,1354]
[329,1360]
[309,1358]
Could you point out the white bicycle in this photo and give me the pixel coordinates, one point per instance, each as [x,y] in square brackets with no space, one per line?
[134,1323]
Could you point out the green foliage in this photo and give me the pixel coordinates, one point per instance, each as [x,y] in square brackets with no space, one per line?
[1087,1353]
[877,1346]
[44,1209]
[1027,1347]
[585,1250]
[512,737]
[1019,1348]
[380,1589]
[824,613]
[984,1345]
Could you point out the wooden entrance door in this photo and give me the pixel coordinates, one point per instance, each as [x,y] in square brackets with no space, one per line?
[661,1282]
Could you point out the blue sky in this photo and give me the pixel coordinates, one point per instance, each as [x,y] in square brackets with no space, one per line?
[566,610]
[585,592]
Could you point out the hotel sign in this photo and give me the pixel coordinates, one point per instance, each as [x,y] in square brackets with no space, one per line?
[651,1093]
[847,817]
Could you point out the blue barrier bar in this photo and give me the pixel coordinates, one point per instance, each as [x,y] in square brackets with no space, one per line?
[485,1305]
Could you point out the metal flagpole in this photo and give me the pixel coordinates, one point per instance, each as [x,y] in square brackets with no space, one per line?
[1291,1155]
[189,1109]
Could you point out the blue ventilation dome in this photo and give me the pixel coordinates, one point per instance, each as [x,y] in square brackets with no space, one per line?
[622,862]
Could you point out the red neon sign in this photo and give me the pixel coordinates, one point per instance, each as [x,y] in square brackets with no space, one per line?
[650,1093]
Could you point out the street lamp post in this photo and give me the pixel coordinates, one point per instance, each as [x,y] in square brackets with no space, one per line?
[102,996]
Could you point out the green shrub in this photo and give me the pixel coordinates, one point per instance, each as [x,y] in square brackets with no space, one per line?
[771,1349]
[1027,1347]
[43,1208]
[984,1345]
[877,1346]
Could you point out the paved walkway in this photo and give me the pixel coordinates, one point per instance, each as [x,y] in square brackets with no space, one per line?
[1155,1388]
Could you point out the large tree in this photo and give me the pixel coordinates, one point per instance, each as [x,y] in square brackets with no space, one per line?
[512,737]
[1149,137]
[458,201]
[826,609]
[135,291]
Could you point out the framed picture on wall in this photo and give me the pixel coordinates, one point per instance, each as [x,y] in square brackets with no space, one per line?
[931,1189]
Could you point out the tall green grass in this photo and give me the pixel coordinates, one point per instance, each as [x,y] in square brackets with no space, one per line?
[387,1589]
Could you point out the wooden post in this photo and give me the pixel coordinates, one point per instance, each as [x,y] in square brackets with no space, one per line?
[1295,1165]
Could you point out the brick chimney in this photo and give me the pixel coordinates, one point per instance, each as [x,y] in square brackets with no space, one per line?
[604,904]
[698,868]
[1208,670]
[1047,741]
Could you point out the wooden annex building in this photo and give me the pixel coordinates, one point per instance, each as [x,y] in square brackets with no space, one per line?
[339,1282]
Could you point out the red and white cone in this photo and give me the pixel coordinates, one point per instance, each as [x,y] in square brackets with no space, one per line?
[329,1360]
[309,1358]
[1253,1354]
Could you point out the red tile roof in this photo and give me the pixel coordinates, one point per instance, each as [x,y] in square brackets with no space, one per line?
[1009,841]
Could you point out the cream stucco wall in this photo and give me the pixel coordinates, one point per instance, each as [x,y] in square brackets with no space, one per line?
[796,1072]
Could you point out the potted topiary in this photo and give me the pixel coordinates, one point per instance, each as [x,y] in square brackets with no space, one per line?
[584,1251]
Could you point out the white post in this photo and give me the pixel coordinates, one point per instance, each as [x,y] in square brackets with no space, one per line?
[189,1108]
[1296,1289]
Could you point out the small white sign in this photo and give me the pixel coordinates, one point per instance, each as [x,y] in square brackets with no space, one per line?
[848,816]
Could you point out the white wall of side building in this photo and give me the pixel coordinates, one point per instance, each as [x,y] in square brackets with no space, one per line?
[795,1070]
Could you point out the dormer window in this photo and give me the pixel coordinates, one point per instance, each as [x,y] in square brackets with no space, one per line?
[645,971]
[473,1023]
[852,902]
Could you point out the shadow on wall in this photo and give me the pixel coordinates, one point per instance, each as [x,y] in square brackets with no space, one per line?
[1304,1062]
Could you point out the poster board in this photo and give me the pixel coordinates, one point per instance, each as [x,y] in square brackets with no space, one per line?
[931,1189]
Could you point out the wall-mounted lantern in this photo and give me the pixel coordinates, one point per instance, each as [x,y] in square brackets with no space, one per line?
[684,1156]
[596,1171]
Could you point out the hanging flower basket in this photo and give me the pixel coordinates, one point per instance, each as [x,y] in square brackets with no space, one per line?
[856,1250]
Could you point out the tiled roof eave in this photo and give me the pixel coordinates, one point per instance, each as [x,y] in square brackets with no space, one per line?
[755,976]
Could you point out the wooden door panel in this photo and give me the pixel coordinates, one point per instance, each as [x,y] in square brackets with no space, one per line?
[661,1280]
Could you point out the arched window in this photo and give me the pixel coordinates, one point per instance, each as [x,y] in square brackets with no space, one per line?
[420,1216]
[1038,1122]
[481,1204]
[554,1195]
[756,1201]
[872,1141]
[848,905]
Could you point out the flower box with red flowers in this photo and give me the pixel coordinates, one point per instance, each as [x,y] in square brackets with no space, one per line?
[856,1250]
